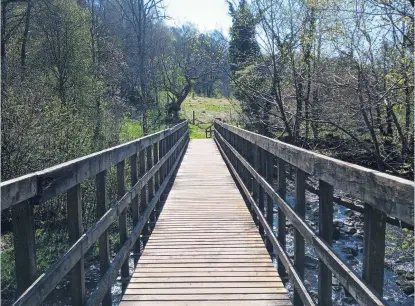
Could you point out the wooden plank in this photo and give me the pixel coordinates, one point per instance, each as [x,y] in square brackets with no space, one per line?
[326,233]
[75,229]
[204,297]
[390,194]
[103,241]
[374,248]
[210,291]
[205,243]
[252,302]
[299,247]
[24,245]
[190,285]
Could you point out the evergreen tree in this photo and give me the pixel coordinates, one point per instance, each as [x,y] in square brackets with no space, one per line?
[243,47]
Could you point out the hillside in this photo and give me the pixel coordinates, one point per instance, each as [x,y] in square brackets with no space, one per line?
[206,110]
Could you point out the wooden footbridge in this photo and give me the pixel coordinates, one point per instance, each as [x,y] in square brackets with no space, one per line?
[210,240]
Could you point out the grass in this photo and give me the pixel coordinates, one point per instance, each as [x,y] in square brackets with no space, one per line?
[130,130]
[206,110]
[198,131]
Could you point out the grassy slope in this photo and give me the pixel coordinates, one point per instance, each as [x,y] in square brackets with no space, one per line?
[206,110]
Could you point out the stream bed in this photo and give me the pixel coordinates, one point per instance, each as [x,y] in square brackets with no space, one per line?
[348,245]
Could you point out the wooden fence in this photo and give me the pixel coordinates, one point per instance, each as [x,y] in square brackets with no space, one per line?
[154,158]
[252,159]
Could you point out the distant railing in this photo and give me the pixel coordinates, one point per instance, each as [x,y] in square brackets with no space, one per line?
[251,159]
[154,158]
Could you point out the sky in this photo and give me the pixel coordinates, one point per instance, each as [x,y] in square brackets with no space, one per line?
[207,15]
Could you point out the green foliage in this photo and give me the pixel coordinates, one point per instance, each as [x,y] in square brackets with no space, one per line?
[130,130]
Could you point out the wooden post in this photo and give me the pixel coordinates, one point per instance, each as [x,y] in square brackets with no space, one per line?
[269,159]
[153,217]
[103,241]
[281,215]
[193,121]
[326,233]
[374,247]
[299,248]
[24,244]
[75,228]
[162,175]
[150,188]
[143,194]
[135,209]
[261,198]
[122,220]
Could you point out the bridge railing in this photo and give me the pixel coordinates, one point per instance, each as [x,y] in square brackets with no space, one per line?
[153,160]
[252,159]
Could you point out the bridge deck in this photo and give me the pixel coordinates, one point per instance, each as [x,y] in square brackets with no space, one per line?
[205,248]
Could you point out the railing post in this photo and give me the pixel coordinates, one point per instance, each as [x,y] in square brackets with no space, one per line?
[24,244]
[374,247]
[261,170]
[281,216]
[162,152]
[103,241]
[299,248]
[75,229]
[150,187]
[326,233]
[143,194]
[122,220]
[153,217]
[269,160]
[135,209]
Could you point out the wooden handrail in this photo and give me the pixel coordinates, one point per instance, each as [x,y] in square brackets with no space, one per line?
[390,194]
[164,149]
[48,183]
[237,146]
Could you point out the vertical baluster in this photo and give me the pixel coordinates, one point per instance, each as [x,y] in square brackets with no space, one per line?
[162,152]
[75,229]
[135,209]
[325,232]
[281,216]
[374,248]
[150,190]
[24,244]
[122,219]
[269,159]
[103,241]
[143,195]
[153,217]
[299,248]
[150,186]
[261,198]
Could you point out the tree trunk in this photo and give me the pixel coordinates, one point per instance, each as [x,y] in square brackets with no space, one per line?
[3,50]
[24,39]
